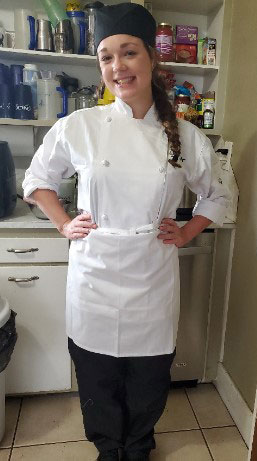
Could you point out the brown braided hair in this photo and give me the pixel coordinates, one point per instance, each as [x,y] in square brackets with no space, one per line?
[165,112]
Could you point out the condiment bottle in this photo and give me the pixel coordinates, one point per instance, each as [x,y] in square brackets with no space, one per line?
[164,42]
[208,117]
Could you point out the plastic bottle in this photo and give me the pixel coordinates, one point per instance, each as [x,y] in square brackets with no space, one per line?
[30,76]
[54,11]
[208,117]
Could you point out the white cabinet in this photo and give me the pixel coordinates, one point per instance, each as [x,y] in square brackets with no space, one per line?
[36,291]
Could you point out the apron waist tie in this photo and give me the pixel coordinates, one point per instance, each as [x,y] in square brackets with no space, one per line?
[146,229]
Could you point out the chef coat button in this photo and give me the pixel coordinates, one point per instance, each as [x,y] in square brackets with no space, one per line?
[105,163]
[161,169]
[104,217]
[108,119]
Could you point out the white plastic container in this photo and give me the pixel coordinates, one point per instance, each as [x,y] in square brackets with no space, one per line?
[31,74]
[24,26]
[5,313]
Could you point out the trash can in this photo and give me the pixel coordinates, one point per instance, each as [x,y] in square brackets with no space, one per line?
[8,338]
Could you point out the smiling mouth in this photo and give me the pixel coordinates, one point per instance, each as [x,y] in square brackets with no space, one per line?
[124,81]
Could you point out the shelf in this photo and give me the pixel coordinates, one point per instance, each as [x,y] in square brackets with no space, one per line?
[38,123]
[17,122]
[192,69]
[47,57]
[82,60]
[194,7]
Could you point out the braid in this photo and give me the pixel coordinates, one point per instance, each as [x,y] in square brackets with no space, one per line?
[165,112]
[166,115]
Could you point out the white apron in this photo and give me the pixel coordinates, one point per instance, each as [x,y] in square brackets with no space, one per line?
[123,282]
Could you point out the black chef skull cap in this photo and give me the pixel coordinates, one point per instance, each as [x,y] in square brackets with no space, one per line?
[125,18]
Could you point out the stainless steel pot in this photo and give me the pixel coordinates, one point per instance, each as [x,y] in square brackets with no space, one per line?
[39,213]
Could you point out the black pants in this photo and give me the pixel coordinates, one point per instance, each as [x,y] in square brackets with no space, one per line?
[121,398]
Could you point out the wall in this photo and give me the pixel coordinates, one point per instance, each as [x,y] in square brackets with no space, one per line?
[240,126]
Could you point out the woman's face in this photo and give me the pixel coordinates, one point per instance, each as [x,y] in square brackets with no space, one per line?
[126,67]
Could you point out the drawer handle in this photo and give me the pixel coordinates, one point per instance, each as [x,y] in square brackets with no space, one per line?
[28,250]
[25,279]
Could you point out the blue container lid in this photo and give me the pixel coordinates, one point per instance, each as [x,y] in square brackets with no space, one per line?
[76,14]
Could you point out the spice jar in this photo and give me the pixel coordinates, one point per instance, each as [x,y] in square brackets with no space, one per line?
[164,42]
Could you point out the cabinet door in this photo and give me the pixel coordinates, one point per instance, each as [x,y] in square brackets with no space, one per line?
[40,361]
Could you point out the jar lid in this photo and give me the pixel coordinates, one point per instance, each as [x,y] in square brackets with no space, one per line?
[76,14]
[164,24]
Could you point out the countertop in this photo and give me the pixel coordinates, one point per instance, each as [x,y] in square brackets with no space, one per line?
[23,218]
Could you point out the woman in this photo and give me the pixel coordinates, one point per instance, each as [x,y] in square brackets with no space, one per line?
[133,159]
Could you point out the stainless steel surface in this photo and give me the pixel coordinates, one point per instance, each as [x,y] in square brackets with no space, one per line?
[16,250]
[195,261]
[39,213]
[44,37]
[188,198]
[24,279]
[63,39]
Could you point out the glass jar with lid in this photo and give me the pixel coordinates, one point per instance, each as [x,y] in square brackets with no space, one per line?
[164,42]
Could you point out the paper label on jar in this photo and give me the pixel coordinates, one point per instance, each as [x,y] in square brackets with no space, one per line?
[164,44]
[183,107]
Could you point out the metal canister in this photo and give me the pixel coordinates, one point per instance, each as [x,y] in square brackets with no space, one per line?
[90,12]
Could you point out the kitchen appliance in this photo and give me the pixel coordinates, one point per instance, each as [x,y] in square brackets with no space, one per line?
[63,39]
[195,261]
[44,36]
[52,99]
[8,194]
[78,23]
[24,26]
[66,195]
[85,98]
[187,203]
[90,11]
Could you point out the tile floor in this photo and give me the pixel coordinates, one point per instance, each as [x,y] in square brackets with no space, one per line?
[195,426]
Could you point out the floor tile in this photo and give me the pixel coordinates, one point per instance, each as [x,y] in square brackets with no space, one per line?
[12,406]
[75,451]
[180,446]
[50,418]
[226,443]
[178,414]
[209,407]
[4,455]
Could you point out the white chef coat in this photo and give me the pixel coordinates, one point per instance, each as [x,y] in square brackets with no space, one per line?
[123,282]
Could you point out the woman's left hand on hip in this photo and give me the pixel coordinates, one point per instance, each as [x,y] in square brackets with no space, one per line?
[171,233]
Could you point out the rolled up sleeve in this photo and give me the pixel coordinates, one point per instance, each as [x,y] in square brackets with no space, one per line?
[213,197]
[50,164]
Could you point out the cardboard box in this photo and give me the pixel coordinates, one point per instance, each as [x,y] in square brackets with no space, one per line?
[209,51]
[186,53]
[187,35]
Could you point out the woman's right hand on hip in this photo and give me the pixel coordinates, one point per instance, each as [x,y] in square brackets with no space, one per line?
[78,228]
